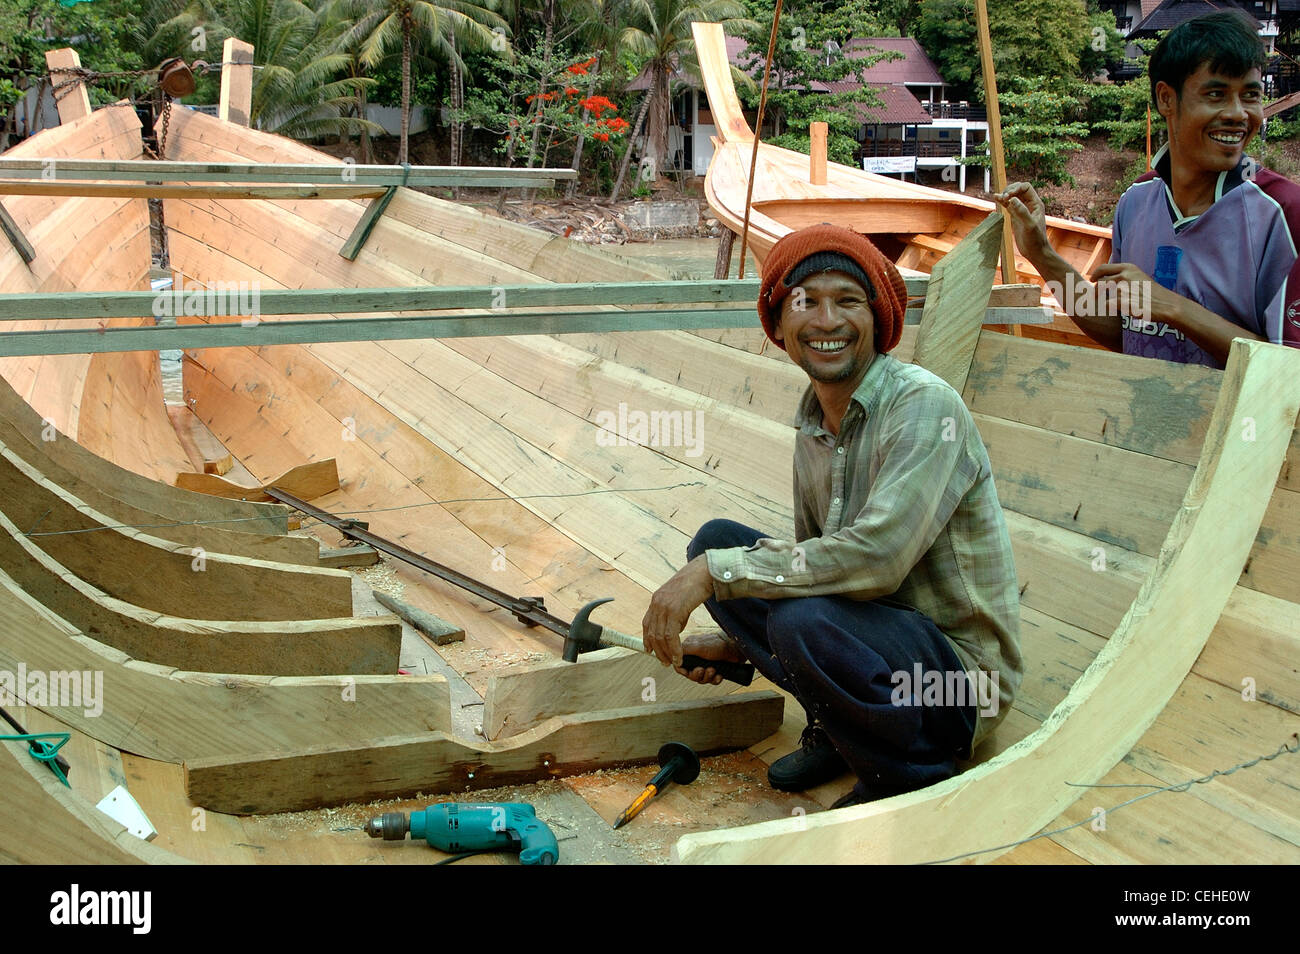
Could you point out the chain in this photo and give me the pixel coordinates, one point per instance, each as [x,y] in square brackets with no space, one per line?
[162,132]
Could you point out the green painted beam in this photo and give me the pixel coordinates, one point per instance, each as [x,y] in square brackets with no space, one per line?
[255,334]
[155,170]
[366,224]
[36,306]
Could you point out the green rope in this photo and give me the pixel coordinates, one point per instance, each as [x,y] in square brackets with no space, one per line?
[43,751]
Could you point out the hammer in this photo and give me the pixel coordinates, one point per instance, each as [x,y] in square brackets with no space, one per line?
[585,636]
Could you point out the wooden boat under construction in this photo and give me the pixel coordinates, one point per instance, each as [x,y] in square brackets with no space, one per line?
[912,224]
[1154,510]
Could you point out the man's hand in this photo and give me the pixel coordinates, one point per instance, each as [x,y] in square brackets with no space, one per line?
[1028,218]
[670,608]
[713,646]
[1213,333]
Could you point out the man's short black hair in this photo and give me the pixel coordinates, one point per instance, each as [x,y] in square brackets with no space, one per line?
[1227,40]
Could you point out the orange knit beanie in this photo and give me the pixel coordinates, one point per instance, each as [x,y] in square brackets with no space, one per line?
[886,291]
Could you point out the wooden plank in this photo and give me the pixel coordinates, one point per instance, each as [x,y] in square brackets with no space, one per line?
[159,170]
[150,572]
[955,305]
[399,766]
[151,190]
[1122,400]
[522,697]
[42,822]
[500,299]
[1123,691]
[306,481]
[69,91]
[43,442]
[235,103]
[314,647]
[366,224]
[172,715]
[16,237]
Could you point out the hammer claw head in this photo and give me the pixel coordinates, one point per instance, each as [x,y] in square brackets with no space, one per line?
[584,635]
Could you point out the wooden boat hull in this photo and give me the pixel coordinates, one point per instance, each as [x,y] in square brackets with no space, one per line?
[499,444]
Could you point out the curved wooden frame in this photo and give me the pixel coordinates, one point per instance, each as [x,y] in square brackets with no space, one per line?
[171,715]
[43,822]
[1121,693]
[316,647]
[157,574]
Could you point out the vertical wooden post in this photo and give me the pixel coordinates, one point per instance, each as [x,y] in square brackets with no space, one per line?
[73,100]
[817,154]
[1009,274]
[722,264]
[236,105]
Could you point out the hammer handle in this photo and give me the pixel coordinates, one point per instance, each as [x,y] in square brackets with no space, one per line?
[740,673]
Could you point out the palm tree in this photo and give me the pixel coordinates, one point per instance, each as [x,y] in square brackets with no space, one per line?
[385,25]
[660,32]
[301,85]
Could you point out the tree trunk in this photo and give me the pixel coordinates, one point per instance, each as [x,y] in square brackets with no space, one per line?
[406,92]
[657,125]
[457,104]
[582,133]
[627,156]
[366,154]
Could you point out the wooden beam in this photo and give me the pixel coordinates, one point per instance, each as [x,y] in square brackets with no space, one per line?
[366,224]
[1120,694]
[16,237]
[156,574]
[43,822]
[69,91]
[524,696]
[235,104]
[400,766]
[149,190]
[307,481]
[169,714]
[317,647]
[344,173]
[238,335]
[38,441]
[817,154]
[956,304]
[501,299]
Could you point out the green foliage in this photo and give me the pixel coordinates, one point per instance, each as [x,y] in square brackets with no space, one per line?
[1040,129]
[800,61]
[1040,39]
[1282,130]
[1120,109]
[1105,44]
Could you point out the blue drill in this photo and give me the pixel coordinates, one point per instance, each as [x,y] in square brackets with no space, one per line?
[473,827]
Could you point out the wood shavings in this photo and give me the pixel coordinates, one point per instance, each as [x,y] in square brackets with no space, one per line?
[384,578]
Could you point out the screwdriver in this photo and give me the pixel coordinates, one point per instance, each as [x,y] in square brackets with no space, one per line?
[680,765]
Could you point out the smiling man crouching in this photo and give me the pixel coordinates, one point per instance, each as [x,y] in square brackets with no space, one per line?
[900,557]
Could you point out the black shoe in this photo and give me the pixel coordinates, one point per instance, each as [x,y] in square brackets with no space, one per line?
[815,763]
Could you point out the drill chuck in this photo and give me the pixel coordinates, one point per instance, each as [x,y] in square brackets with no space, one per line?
[390,826]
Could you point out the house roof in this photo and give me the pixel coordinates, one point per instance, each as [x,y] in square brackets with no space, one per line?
[1171,13]
[915,67]
[900,106]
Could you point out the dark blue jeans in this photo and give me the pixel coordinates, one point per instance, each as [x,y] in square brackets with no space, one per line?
[838,657]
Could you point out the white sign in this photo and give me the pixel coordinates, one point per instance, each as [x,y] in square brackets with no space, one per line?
[884,164]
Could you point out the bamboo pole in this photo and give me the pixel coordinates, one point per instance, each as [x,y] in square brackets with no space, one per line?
[758,134]
[1009,273]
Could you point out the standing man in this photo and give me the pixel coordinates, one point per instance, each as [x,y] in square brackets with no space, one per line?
[899,578]
[1207,238]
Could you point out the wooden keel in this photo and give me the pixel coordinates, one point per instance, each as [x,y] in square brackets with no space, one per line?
[1119,696]
[397,767]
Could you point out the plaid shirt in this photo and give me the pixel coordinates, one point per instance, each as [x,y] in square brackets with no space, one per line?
[901,505]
